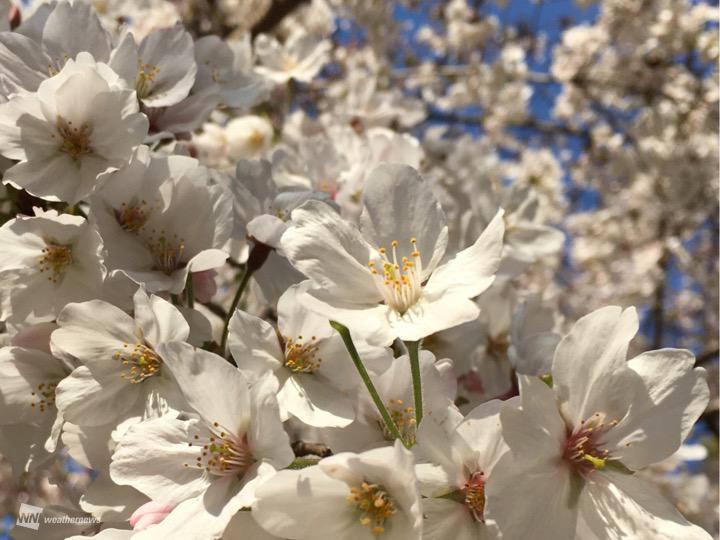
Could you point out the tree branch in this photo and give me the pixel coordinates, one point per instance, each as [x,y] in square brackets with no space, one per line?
[277,12]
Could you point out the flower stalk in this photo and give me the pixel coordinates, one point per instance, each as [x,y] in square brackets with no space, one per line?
[350,346]
[413,348]
[258,256]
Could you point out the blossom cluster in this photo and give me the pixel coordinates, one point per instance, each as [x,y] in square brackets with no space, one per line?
[252,320]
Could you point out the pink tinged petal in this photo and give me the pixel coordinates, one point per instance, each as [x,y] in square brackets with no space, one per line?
[472,270]
[35,337]
[149,514]
[204,285]
[596,346]
[672,398]
[617,506]
[331,252]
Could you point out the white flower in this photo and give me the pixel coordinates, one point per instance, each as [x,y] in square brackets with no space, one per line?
[207,464]
[226,67]
[248,137]
[161,69]
[28,378]
[46,261]
[143,216]
[394,386]
[388,282]
[604,418]
[301,57]
[363,496]
[122,373]
[33,54]
[455,466]
[316,379]
[79,124]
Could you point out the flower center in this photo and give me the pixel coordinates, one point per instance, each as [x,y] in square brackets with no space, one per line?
[374,504]
[75,139]
[302,358]
[399,280]
[404,418]
[45,393]
[166,253]
[140,362]
[54,260]
[145,78]
[132,217]
[474,492]
[582,447]
[222,453]
[256,140]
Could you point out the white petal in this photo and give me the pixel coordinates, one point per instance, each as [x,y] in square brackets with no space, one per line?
[472,270]
[152,458]
[618,506]
[661,416]
[212,386]
[596,346]
[399,205]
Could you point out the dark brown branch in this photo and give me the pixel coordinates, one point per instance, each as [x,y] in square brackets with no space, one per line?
[707,356]
[277,12]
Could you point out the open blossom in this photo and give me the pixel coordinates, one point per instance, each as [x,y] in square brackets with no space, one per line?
[28,378]
[369,495]
[301,57]
[79,124]
[209,461]
[161,68]
[40,48]
[122,373]
[455,465]
[604,418]
[386,281]
[46,261]
[142,215]
[308,359]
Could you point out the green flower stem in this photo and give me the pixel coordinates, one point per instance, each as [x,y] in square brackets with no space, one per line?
[236,300]
[350,346]
[257,257]
[413,348]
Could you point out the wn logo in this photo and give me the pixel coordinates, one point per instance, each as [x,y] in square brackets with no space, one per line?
[29,516]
